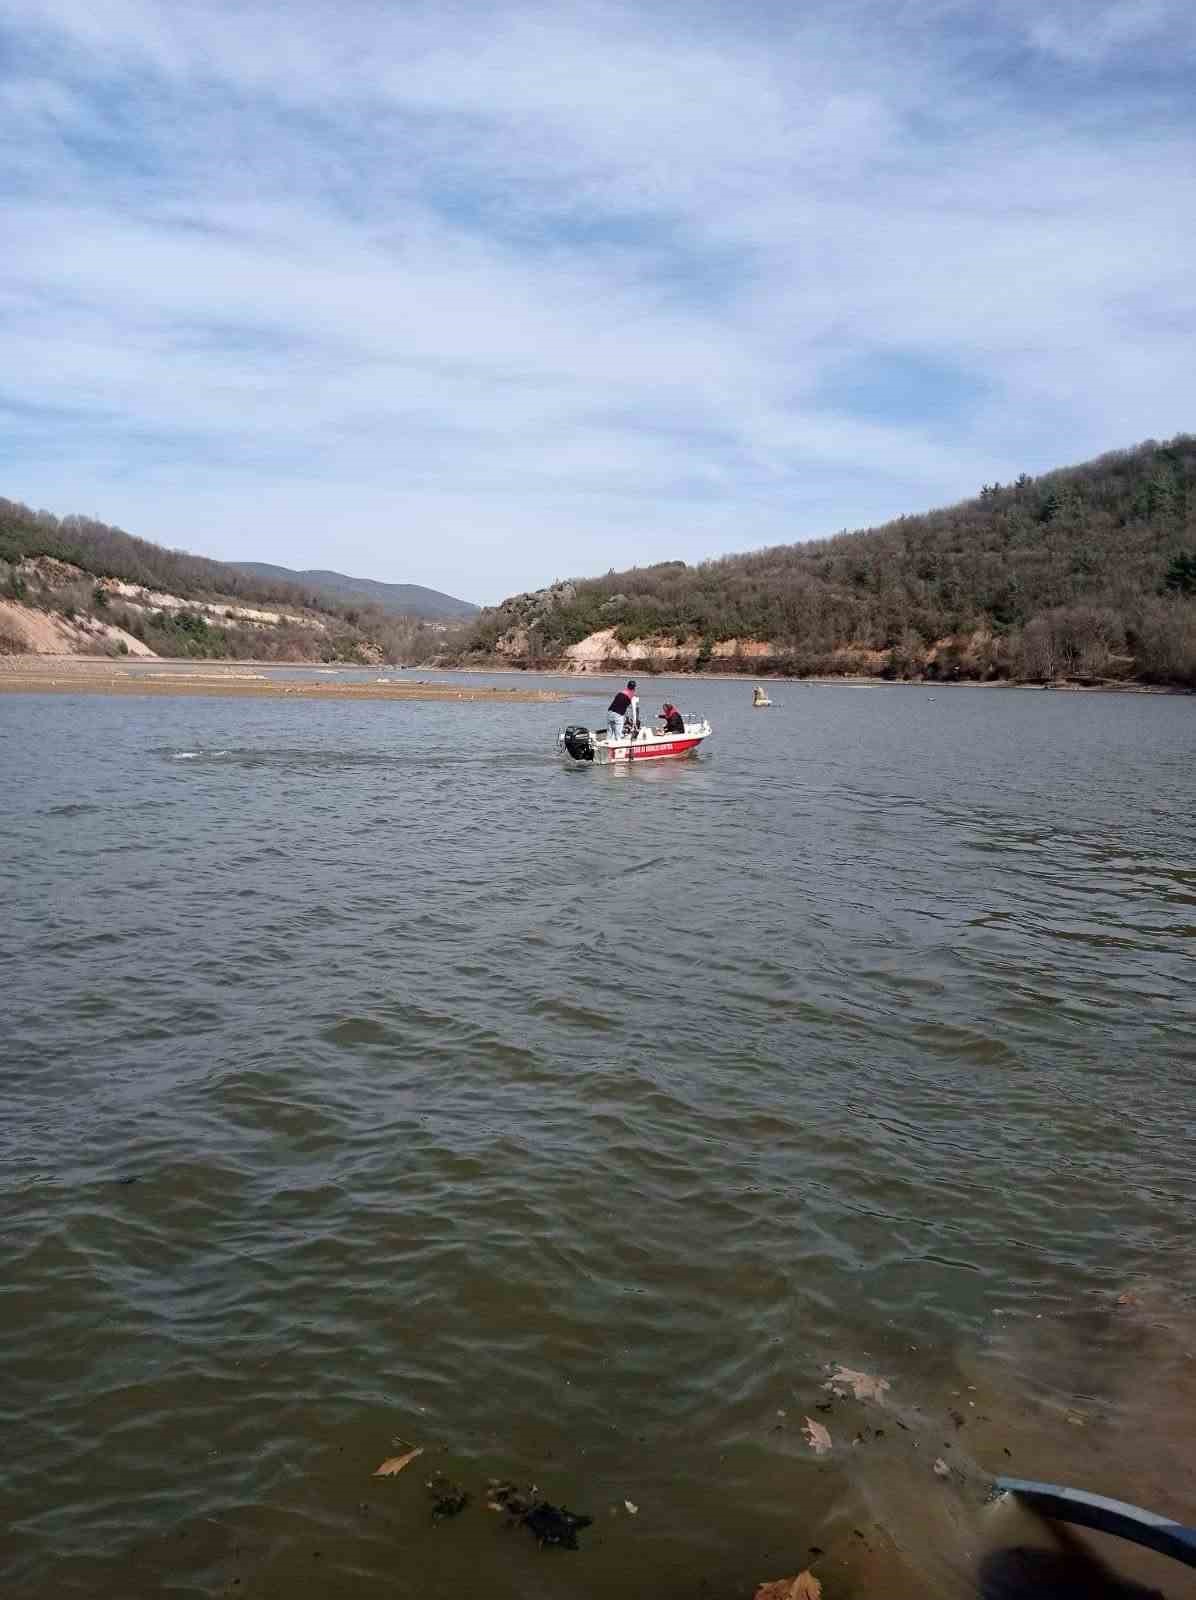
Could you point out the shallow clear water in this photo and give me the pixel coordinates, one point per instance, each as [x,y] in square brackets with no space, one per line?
[367,1076]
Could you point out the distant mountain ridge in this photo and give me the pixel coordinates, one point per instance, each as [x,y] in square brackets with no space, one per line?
[403,599]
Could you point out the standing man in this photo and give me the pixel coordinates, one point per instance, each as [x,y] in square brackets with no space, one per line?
[625,704]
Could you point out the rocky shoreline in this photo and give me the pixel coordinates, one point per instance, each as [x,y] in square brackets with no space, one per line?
[579,676]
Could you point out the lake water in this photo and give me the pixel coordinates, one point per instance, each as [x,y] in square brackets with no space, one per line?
[371,1081]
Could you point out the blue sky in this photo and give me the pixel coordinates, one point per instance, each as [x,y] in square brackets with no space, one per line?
[480,296]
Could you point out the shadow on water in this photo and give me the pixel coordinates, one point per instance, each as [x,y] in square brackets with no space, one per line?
[1071,1572]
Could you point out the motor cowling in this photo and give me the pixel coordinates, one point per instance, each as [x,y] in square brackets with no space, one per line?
[579,742]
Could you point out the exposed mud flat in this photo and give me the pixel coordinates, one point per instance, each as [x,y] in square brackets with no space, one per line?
[96,675]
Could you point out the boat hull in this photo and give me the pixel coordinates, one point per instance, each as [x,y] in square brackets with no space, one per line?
[673,749]
[580,747]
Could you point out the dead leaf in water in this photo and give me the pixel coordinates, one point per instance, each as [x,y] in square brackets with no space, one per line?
[862,1384]
[394,1464]
[817,1437]
[941,1469]
[1128,1300]
[804,1587]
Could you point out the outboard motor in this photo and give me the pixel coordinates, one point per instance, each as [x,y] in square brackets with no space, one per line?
[579,742]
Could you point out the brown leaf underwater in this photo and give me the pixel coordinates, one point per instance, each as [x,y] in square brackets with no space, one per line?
[394,1464]
[862,1384]
[804,1587]
[817,1436]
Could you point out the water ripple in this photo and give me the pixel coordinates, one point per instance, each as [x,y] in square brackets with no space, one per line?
[370,1077]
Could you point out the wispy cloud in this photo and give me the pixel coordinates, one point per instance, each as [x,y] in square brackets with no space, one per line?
[480,296]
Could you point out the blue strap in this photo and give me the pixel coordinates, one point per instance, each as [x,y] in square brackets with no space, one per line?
[1169,1538]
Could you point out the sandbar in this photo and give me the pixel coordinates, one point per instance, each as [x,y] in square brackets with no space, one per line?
[31,674]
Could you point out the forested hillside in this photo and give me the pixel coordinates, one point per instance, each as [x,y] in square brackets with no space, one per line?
[1089,571]
[116,593]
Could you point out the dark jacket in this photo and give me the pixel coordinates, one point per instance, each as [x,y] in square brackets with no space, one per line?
[674,722]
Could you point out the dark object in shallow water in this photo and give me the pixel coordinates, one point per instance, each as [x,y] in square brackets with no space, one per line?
[555,1524]
[550,1524]
[1107,1516]
[502,1495]
[449,1499]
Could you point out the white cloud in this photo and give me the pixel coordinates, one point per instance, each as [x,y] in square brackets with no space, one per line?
[386,286]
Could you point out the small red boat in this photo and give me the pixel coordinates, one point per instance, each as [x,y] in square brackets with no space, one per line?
[577,743]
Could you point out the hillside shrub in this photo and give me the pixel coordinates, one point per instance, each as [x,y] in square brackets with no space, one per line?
[1049,573]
